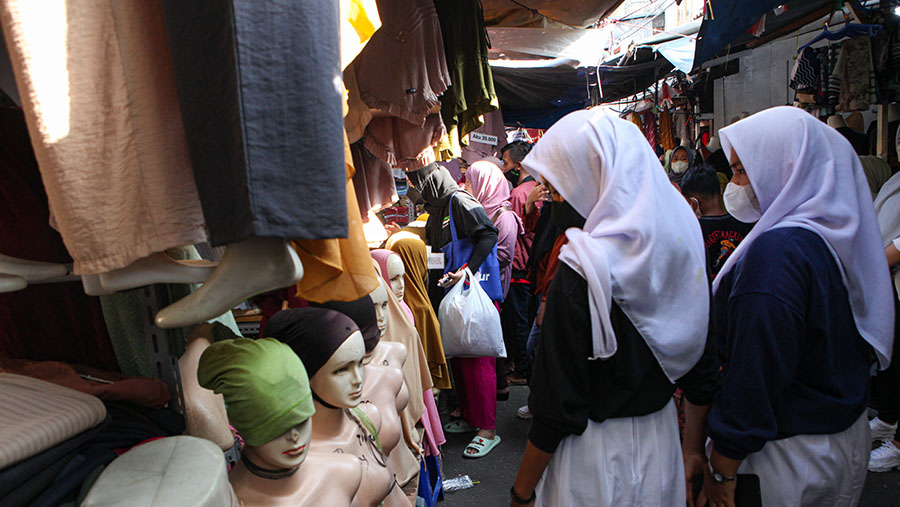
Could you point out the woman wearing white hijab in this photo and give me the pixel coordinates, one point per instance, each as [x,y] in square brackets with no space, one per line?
[800,308]
[626,316]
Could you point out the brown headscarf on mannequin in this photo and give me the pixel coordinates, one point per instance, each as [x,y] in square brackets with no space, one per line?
[412,251]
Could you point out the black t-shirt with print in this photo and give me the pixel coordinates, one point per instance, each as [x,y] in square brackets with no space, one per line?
[721,236]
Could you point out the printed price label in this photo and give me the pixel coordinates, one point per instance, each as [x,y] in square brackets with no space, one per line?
[483,138]
[436,260]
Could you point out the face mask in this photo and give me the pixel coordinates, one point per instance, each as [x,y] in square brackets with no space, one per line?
[564,216]
[741,202]
[679,167]
[512,175]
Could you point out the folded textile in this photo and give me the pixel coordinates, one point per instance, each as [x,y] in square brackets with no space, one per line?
[106,385]
[37,415]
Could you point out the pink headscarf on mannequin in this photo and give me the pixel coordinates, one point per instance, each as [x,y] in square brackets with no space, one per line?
[381,256]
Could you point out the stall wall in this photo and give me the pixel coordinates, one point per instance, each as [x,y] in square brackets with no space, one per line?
[762,81]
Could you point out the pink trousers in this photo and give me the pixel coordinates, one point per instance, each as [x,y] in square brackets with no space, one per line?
[476,388]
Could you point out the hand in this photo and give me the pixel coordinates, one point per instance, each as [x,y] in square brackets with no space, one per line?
[716,494]
[538,193]
[454,278]
[391,228]
[694,465]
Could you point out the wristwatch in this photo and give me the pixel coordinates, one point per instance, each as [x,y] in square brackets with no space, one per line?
[717,476]
[521,501]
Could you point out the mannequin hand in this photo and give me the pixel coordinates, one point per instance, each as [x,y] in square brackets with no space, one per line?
[716,494]
[694,465]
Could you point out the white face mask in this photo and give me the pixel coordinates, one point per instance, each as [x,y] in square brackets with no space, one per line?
[741,202]
[679,167]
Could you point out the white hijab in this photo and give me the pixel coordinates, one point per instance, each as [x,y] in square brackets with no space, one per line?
[641,243]
[805,174]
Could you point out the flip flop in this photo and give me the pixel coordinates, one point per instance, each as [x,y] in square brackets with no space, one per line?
[482,446]
[459,426]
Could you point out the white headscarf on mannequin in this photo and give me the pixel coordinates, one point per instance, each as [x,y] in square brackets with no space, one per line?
[805,174]
[641,243]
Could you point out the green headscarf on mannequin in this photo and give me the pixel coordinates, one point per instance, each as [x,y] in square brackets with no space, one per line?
[264,383]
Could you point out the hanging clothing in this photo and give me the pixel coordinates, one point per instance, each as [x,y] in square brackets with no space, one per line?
[481,149]
[649,122]
[381,256]
[617,462]
[402,70]
[338,269]
[666,130]
[373,181]
[857,75]
[412,251]
[621,192]
[403,144]
[817,192]
[415,369]
[103,116]
[263,116]
[471,93]
[491,189]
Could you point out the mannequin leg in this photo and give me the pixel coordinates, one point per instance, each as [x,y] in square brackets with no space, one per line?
[92,287]
[11,283]
[30,270]
[248,268]
[156,268]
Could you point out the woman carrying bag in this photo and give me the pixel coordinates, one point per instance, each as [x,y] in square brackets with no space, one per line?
[475,377]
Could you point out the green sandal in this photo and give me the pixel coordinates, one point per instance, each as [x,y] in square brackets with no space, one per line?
[459,426]
[482,446]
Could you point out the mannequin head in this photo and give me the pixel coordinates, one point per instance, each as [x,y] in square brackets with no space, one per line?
[267,396]
[285,451]
[380,299]
[339,381]
[395,273]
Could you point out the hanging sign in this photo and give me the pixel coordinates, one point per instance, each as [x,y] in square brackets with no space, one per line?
[483,138]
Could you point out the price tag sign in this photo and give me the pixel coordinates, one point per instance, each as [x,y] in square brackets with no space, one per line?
[483,138]
[436,260]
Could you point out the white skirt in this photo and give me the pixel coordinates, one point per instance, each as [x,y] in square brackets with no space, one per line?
[813,469]
[624,461]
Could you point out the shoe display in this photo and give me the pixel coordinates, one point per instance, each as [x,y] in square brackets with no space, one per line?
[524,413]
[882,431]
[885,458]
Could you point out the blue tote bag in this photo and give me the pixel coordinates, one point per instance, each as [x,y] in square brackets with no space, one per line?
[457,253]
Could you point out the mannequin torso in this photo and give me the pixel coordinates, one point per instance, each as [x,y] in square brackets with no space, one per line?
[323,479]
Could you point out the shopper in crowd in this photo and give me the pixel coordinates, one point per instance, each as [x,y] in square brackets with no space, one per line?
[604,429]
[722,233]
[886,392]
[518,307]
[475,378]
[679,162]
[803,309]
[487,184]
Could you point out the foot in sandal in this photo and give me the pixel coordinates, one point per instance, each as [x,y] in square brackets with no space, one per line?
[459,426]
[483,443]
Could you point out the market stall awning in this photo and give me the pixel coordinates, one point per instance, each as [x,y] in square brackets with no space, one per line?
[545,13]
[727,22]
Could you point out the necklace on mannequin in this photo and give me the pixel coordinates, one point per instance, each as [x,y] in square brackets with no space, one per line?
[266,473]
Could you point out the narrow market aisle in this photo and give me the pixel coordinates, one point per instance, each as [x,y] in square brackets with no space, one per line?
[497,470]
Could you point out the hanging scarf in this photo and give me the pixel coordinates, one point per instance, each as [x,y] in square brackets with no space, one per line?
[805,174]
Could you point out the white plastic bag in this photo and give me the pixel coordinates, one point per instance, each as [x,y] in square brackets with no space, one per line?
[470,323]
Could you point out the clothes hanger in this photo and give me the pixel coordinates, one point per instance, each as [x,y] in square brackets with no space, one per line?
[851,30]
